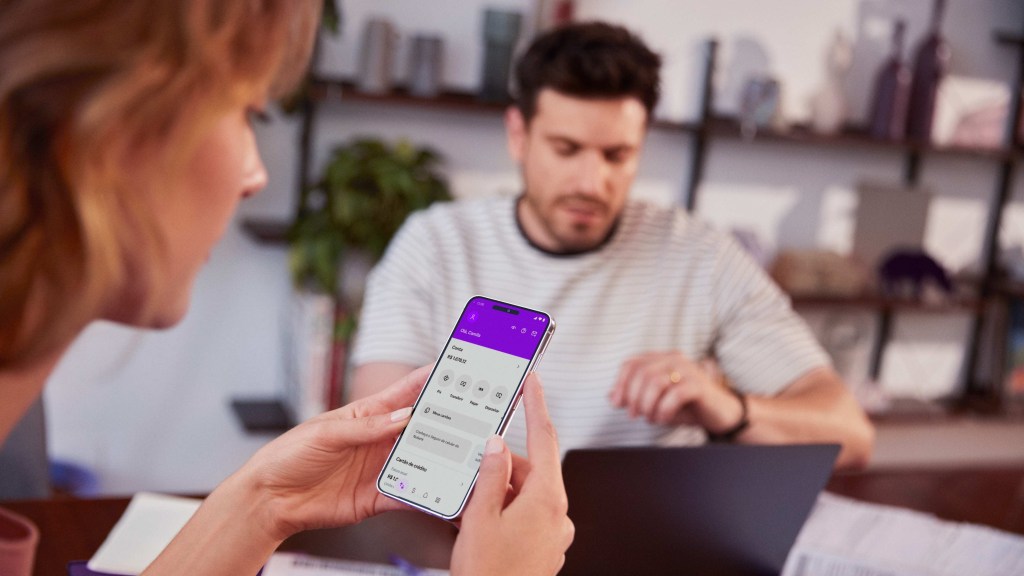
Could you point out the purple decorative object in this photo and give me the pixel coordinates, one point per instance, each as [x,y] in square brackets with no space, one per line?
[904,274]
[80,568]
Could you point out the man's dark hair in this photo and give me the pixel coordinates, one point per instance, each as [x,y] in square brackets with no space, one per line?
[588,60]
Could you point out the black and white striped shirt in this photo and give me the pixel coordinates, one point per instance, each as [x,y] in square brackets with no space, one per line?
[663,281]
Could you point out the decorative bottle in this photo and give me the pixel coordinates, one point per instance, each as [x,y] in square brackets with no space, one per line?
[930,64]
[829,105]
[892,88]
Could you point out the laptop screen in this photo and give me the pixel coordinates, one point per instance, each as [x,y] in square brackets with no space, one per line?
[707,510]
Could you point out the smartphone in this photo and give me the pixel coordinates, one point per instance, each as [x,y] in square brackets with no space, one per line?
[471,394]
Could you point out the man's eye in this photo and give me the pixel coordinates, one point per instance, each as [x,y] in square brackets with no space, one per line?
[566,149]
[616,156]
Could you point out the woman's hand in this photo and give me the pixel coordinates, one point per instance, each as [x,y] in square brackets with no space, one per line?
[515,521]
[323,472]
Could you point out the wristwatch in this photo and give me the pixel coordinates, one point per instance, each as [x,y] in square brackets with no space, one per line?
[731,434]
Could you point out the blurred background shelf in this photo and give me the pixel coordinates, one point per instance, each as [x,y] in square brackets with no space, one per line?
[334,89]
[882,303]
[266,230]
[850,136]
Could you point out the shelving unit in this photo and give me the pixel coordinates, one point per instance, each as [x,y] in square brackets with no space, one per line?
[332,89]
[709,128]
[978,395]
[988,395]
[854,137]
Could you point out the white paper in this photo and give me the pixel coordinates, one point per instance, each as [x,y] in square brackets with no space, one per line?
[291,564]
[810,563]
[845,537]
[147,526]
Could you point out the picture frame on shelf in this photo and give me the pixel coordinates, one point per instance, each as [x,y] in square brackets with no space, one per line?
[888,215]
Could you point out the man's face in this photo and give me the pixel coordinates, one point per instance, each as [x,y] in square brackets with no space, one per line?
[579,158]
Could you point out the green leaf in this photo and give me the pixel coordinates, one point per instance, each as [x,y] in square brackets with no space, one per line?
[366,190]
[331,17]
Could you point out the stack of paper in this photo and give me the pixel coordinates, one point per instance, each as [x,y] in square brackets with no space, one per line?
[291,564]
[844,537]
[143,531]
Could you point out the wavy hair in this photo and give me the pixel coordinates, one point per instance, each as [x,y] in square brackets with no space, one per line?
[588,60]
[87,86]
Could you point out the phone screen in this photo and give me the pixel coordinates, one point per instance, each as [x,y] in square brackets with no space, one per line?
[470,396]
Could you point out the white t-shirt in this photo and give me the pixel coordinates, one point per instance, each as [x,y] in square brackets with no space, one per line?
[663,281]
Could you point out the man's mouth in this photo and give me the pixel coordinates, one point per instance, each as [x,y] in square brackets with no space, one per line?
[583,209]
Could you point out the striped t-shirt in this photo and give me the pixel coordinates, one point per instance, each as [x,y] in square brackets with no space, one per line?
[663,281]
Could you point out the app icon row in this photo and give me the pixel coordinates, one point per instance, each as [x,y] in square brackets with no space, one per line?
[479,389]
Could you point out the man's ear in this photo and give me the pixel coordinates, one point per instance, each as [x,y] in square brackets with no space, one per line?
[515,132]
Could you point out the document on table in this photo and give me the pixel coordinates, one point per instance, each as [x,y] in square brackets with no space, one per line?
[147,526]
[291,564]
[845,537]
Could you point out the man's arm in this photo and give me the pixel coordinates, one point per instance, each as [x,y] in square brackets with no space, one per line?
[669,389]
[372,377]
[817,407]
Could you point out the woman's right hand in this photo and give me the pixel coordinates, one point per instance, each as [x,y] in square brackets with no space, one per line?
[516,521]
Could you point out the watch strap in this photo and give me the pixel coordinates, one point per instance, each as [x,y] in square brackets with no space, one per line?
[730,435]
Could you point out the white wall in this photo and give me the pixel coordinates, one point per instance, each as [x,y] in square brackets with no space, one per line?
[150,411]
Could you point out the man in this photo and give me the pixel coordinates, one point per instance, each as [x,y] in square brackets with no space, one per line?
[664,325]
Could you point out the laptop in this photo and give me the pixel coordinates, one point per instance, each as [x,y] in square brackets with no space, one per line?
[705,510]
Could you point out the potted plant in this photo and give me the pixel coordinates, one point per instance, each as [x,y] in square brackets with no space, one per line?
[367,189]
[345,220]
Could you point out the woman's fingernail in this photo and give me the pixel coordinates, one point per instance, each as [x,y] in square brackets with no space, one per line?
[401,414]
[494,445]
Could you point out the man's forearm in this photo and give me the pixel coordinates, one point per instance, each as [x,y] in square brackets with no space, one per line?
[815,408]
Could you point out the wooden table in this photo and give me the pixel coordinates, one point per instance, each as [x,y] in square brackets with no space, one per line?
[74,529]
[993,496]
[68,529]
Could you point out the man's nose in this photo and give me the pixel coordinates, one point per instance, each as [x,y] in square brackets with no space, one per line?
[591,172]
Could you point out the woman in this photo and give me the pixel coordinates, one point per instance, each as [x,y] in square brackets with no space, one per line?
[125,145]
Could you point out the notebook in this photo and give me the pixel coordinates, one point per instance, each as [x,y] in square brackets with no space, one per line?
[707,510]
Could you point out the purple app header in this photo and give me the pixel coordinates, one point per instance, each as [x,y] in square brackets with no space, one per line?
[502,327]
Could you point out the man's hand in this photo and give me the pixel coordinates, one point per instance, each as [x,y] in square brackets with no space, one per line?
[670,389]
